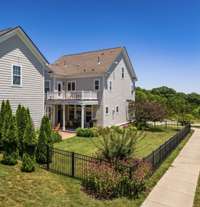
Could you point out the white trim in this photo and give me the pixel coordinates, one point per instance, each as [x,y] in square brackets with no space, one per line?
[71,81]
[18,31]
[99,84]
[16,85]
[78,76]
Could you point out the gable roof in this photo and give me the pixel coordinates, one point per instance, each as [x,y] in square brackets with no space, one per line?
[7,33]
[86,63]
[3,31]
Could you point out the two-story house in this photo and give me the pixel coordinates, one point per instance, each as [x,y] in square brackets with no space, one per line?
[90,89]
[22,68]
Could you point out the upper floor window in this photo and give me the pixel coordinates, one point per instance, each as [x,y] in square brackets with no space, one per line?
[71,85]
[110,85]
[122,72]
[16,75]
[96,85]
[107,111]
[47,86]
[117,109]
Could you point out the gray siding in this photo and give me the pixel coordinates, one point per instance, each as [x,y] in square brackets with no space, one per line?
[118,96]
[31,94]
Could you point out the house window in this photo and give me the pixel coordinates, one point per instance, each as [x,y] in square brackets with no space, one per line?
[117,109]
[122,72]
[110,85]
[71,86]
[47,86]
[16,75]
[97,85]
[107,111]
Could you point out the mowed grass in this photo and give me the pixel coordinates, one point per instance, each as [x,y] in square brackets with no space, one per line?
[150,140]
[45,189]
[197,195]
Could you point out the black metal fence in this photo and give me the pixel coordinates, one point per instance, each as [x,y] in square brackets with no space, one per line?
[76,165]
[160,154]
[73,164]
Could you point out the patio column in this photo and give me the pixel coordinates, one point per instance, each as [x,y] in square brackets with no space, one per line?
[53,115]
[63,117]
[82,116]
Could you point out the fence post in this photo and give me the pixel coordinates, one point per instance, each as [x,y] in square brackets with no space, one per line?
[73,165]
[153,157]
[47,157]
[130,172]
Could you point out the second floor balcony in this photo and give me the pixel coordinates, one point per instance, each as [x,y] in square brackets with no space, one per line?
[72,95]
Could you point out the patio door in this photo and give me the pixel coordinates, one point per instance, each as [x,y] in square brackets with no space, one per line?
[59,87]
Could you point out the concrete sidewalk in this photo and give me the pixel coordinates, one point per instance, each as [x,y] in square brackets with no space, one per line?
[177,187]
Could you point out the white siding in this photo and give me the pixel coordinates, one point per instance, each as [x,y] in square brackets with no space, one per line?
[118,96]
[31,94]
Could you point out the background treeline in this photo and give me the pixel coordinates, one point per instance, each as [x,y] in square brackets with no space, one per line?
[177,106]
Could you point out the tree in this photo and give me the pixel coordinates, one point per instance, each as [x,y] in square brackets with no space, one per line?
[21,118]
[44,140]
[29,144]
[2,115]
[10,140]
[148,111]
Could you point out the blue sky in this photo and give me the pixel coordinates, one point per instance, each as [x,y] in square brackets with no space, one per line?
[161,36]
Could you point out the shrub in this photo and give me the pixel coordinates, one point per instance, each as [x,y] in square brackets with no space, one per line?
[102,181]
[105,181]
[2,115]
[55,137]
[28,163]
[44,139]
[84,132]
[10,138]
[21,119]
[117,129]
[30,141]
[118,146]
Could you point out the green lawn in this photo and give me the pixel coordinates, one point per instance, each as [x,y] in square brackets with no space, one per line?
[152,139]
[42,188]
[197,195]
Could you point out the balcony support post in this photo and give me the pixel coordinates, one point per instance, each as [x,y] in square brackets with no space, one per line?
[63,117]
[82,116]
[53,115]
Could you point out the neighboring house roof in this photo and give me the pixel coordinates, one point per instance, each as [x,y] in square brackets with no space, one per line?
[9,32]
[3,31]
[87,63]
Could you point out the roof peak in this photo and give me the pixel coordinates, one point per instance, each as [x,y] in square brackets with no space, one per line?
[92,51]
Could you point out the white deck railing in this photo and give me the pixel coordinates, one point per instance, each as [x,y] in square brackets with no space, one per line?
[72,95]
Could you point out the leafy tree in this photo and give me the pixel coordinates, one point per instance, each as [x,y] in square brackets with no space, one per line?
[10,139]
[2,116]
[21,118]
[44,139]
[30,141]
[148,111]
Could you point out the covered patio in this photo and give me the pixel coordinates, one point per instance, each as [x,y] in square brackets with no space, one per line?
[68,117]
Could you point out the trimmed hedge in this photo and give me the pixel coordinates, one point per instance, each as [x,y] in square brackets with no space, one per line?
[55,137]
[84,132]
